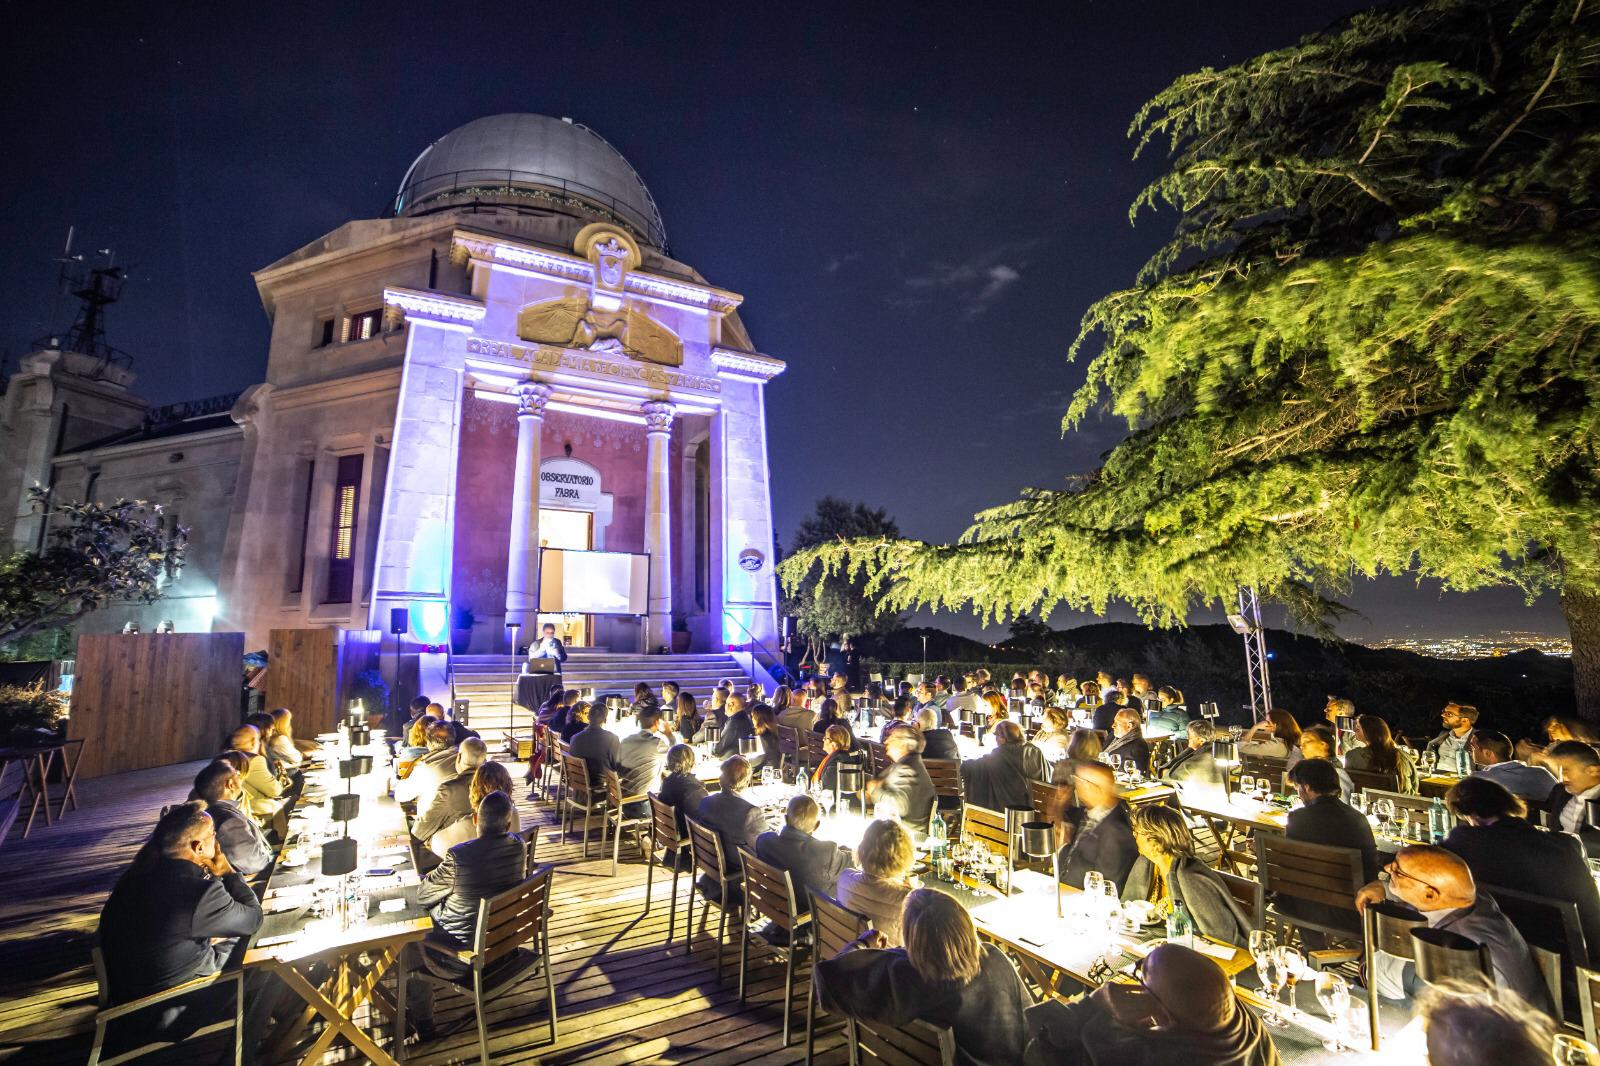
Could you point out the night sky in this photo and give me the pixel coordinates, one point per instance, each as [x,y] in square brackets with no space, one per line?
[917,202]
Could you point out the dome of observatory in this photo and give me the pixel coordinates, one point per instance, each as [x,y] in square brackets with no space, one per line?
[514,158]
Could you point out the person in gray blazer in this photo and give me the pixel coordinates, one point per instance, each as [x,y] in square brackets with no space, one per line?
[453,799]
[238,835]
[732,817]
[1166,848]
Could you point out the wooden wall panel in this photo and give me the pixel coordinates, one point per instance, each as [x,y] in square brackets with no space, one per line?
[313,671]
[153,699]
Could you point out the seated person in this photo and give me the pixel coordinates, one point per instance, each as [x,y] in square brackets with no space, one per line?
[739,726]
[492,862]
[904,783]
[734,819]
[813,864]
[1181,1012]
[598,747]
[943,976]
[1566,808]
[1326,819]
[1316,742]
[999,779]
[838,750]
[1105,713]
[688,722]
[1503,850]
[1492,755]
[282,747]
[882,879]
[546,714]
[238,835]
[429,771]
[175,915]
[452,800]
[937,742]
[828,714]
[1127,741]
[792,712]
[901,712]
[1459,1023]
[1102,837]
[765,724]
[1277,736]
[641,755]
[681,790]
[415,744]
[1377,753]
[1438,884]
[1171,718]
[1195,765]
[1054,732]
[643,697]
[1459,721]
[1167,873]
[262,790]
[576,722]
[490,777]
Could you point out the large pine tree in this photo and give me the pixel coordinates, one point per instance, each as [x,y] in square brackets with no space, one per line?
[1372,344]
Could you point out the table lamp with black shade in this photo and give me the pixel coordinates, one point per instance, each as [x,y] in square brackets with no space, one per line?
[1038,841]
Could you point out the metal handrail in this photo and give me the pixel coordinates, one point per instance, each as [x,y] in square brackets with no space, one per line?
[753,638]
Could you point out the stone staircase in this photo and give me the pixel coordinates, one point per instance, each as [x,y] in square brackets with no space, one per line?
[488,681]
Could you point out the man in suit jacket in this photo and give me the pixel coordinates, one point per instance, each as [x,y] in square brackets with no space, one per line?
[1566,809]
[173,916]
[453,799]
[476,870]
[1102,837]
[598,746]
[813,864]
[1438,884]
[1492,754]
[238,835]
[937,742]
[739,726]
[1326,819]
[732,817]
[1504,850]
[998,780]
[1127,742]
[905,781]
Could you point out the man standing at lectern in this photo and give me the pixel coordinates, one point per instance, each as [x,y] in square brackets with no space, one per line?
[549,646]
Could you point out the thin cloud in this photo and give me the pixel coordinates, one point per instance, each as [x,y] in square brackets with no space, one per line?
[974,284]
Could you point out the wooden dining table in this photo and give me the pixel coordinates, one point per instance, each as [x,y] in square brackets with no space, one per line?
[37,761]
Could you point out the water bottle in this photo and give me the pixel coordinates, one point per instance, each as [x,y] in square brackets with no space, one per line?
[1463,762]
[1180,928]
[938,838]
[1436,821]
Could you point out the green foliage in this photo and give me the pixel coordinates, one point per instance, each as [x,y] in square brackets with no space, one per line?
[58,643]
[1372,344]
[828,606]
[25,711]
[96,555]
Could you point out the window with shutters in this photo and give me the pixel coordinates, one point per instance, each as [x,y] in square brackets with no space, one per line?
[342,540]
[364,326]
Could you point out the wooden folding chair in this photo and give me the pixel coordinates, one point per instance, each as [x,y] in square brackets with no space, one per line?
[664,838]
[833,925]
[706,847]
[617,820]
[579,797]
[878,758]
[107,1012]
[497,959]
[811,753]
[1588,986]
[1374,781]
[983,826]
[789,750]
[902,1045]
[1266,766]
[1316,873]
[769,893]
[1552,928]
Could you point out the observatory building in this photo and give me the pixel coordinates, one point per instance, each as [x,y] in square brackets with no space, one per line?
[500,404]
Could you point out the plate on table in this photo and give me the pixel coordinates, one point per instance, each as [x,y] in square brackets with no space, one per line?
[293,860]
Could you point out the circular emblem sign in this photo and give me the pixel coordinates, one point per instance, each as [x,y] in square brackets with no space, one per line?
[751,560]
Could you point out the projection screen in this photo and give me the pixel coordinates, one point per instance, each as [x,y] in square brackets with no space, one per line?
[583,582]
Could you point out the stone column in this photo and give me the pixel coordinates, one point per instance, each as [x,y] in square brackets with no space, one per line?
[522,561]
[658,522]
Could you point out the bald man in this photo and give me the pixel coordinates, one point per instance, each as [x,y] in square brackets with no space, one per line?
[1181,1012]
[1102,837]
[1438,884]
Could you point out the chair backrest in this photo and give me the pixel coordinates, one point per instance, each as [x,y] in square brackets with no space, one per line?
[983,826]
[946,775]
[664,825]
[102,982]
[811,746]
[1263,766]
[833,925]
[705,845]
[1243,890]
[1316,873]
[1401,800]
[1552,929]
[1588,989]
[530,842]
[1388,928]
[901,1045]
[789,741]
[575,772]
[512,918]
[880,758]
[768,891]
[1442,956]
[1370,781]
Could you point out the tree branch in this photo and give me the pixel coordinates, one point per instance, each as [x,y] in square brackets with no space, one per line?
[1555,66]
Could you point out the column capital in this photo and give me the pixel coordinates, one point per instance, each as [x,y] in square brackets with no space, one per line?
[531,398]
[658,416]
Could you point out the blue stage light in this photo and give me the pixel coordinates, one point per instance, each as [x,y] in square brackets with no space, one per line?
[430,621]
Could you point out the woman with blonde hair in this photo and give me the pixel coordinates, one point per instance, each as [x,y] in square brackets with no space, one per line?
[839,749]
[1168,873]
[944,976]
[877,889]
[281,745]
[1054,731]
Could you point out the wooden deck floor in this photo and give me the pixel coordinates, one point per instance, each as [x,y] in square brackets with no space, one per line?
[622,997]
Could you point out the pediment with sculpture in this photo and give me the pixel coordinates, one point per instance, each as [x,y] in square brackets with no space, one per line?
[602,320]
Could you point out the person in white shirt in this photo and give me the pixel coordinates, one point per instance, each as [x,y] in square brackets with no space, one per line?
[1579,768]
[1453,744]
[548,646]
[1491,754]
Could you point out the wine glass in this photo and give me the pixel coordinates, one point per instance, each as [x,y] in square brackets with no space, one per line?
[1272,968]
[1247,786]
[1094,883]
[1294,964]
[1334,994]
[1569,1050]
[1358,800]
[1383,810]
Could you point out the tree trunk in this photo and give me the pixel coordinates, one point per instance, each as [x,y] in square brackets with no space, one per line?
[1581,605]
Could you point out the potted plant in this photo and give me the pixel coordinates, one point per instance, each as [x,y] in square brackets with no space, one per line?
[681,637]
